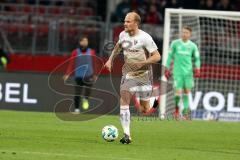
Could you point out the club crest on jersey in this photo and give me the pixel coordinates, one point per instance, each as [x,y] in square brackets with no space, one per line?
[135,42]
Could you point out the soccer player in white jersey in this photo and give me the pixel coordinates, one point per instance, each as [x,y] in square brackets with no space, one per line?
[140,51]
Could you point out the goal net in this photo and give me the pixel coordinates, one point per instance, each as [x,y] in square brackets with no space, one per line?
[217,35]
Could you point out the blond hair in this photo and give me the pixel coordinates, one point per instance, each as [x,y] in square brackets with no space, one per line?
[137,17]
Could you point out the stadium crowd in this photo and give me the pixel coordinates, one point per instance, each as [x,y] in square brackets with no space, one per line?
[18,18]
[152,11]
[75,7]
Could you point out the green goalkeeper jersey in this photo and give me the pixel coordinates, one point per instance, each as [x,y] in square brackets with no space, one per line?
[182,53]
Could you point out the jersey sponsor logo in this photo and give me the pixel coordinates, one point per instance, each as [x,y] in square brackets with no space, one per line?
[184,52]
[132,50]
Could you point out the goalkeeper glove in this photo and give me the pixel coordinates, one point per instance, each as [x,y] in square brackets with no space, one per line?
[167,73]
[197,72]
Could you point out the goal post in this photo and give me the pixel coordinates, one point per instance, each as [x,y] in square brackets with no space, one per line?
[217,34]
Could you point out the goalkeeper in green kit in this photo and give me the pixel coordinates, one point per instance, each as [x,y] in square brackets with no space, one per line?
[183,51]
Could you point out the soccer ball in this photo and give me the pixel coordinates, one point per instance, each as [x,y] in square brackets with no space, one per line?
[109,133]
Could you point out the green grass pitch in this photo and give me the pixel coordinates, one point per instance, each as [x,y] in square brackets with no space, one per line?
[37,136]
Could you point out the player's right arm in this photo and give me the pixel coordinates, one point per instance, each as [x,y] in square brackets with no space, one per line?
[170,55]
[115,52]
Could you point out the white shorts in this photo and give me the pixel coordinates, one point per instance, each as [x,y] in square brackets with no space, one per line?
[140,89]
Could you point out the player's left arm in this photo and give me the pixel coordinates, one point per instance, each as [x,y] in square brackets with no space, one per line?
[196,56]
[152,48]
[154,58]
[197,61]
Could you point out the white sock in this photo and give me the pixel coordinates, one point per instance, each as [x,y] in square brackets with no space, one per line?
[125,119]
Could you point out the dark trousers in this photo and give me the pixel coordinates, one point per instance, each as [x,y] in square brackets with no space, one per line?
[83,92]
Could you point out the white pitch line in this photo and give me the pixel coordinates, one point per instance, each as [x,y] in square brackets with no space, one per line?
[67,155]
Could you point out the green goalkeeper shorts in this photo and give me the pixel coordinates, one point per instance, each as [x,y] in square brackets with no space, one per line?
[183,82]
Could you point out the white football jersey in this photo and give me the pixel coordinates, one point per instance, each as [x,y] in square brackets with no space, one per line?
[136,48]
